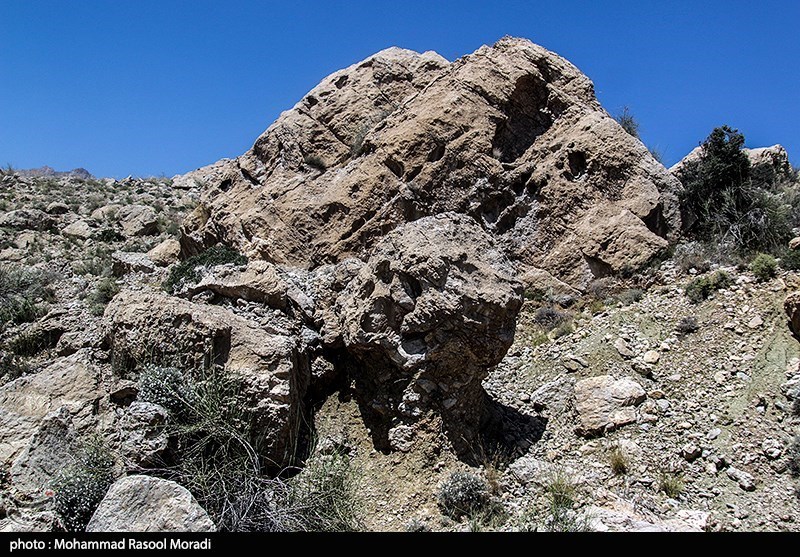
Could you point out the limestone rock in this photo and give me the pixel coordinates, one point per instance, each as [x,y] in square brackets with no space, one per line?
[155,327]
[605,403]
[68,382]
[165,253]
[794,243]
[148,504]
[137,220]
[511,135]
[106,212]
[123,262]
[434,307]
[79,230]
[745,480]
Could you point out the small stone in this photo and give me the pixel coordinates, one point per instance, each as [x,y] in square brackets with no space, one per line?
[772,448]
[745,480]
[720,377]
[571,365]
[623,348]
[691,452]
[651,357]
[713,434]
[755,322]
[656,394]
[794,243]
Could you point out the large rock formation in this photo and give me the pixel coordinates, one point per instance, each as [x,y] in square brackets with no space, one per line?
[432,310]
[512,136]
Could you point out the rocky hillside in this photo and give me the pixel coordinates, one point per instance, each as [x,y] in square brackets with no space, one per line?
[432,296]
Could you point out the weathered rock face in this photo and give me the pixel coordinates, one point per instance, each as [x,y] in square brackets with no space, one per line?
[792,308]
[137,220]
[148,504]
[147,327]
[434,307]
[27,219]
[511,135]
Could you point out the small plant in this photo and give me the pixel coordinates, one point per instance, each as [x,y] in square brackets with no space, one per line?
[671,485]
[790,259]
[416,525]
[165,386]
[619,461]
[11,366]
[315,162]
[764,267]
[30,342]
[564,329]
[701,288]
[463,494]
[22,293]
[103,293]
[109,235]
[692,255]
[189,271]
[549,318]
[687,325]
[629,296]
[628,122]
[561,490]
[80,487]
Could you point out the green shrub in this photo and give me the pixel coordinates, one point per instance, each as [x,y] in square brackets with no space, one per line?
[188,271]
[701,288]
[764,267]
[463,494]
[725,202]
[790,259]
[325,495]
[670,484]
[11,366]
[80,487]
[165,386]
[108,235]
[22,295]
[31,341]
[629,296]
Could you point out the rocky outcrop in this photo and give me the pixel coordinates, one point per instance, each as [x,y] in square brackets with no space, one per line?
[27,219]
[165,253]
[123,262]
[137,220]
[512,136]
[433,308]
[148,504]
[271,359]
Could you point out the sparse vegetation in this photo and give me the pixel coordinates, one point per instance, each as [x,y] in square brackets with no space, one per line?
[764,267]
[701,288]
[315,161]
[671,484]
[550,318]
[80,487]
[618,460]
[103,293]
[790,259]
[188,271]
[687,325]
[794,457]
[628,122]
[463,494]
[23,294]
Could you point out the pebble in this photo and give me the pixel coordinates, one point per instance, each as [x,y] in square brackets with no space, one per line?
[651,357]
[755,322]
[713,434]
[772,448]
[691,452]
[745,480]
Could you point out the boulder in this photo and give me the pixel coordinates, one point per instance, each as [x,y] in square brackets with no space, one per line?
[165,253]
[27,219]
[79,230]
[137,220]
[432,310]
[143,440]
[512,136]
[57,208]
[123,262]
[106,212]
[148,504]
[154,327]
[605,403]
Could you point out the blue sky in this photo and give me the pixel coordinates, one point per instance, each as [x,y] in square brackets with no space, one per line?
[150,87]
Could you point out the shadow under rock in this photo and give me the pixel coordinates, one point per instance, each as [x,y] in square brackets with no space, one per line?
[506,433]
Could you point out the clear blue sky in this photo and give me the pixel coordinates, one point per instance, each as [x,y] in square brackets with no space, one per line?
[149,87]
